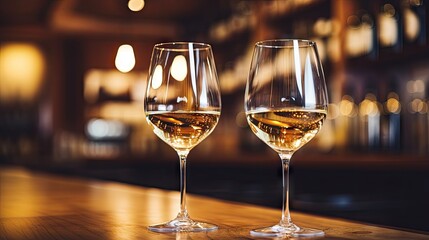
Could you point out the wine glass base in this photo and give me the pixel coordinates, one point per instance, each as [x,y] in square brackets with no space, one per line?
[286,231]
[183,225]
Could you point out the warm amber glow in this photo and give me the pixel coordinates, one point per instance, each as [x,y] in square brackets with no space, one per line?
[179,68]
[418,106]
[393,105]
[125,60]
[22,67]
[323,27]
[136,5]
[417,86]
[138,88]
[333,111]
[92,83]
[416,2]
[369,106]
[113,83]
[388,31]
[116,83]
[124,112]
[411,24]
[157,77]
[347,106]
[359,36]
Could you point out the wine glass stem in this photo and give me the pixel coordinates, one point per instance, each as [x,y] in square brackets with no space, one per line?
[182,157]
[286,219]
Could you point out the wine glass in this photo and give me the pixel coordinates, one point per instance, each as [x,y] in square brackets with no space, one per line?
[182,105]
[286,103]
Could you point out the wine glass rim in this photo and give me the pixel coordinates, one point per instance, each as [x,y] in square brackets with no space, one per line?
[285,43]
[182,46]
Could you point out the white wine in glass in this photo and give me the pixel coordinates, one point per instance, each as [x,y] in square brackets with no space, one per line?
[286,103]
[182,105]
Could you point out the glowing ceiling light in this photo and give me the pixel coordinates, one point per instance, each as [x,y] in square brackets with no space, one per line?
[179,68]
[125,60]
[136,5]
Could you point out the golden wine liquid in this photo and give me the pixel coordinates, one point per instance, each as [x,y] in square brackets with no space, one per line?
[286,130]
[183,130]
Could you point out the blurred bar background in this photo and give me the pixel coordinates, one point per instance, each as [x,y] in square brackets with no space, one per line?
[73,76]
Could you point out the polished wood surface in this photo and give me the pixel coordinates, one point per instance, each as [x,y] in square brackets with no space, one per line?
[36,205]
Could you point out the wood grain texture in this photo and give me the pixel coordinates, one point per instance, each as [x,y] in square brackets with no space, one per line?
[43,206]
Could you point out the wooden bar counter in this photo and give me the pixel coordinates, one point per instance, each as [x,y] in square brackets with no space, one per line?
[35,205]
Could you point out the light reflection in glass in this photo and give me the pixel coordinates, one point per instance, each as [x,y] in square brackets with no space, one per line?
[179,69]
[157,77]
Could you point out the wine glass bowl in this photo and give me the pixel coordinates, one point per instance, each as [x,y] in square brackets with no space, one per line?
[282,131]
[286,103]
[182,105]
